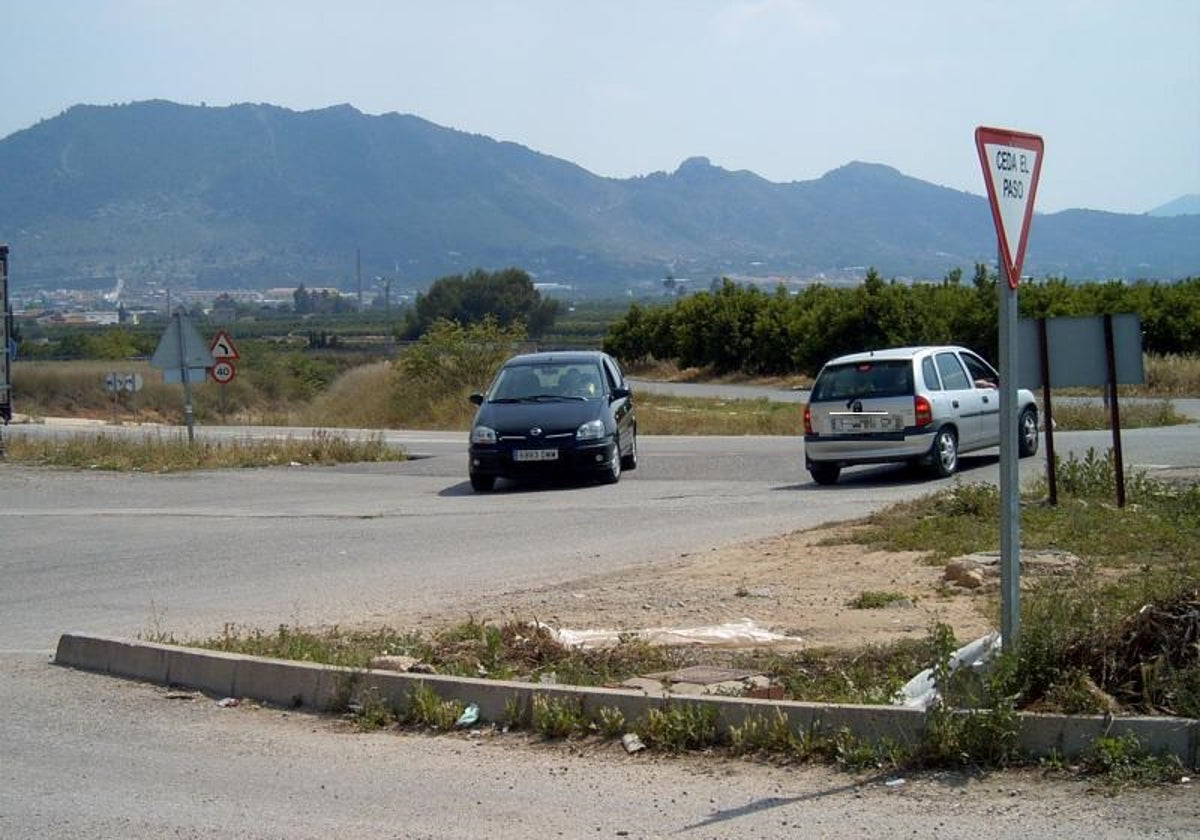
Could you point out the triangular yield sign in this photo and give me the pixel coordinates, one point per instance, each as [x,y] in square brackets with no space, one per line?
[1012,162]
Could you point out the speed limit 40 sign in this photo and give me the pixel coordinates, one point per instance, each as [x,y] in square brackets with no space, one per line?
[223,371]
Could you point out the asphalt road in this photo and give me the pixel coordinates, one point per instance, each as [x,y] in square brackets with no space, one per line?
[187,553]
[82,755]
[115,553]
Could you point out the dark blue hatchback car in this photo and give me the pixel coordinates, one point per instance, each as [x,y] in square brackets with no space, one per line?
[548,414]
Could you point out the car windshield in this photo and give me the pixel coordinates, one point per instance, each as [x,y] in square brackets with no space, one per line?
[855,380]
[577,381]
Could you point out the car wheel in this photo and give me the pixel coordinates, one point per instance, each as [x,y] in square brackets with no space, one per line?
[1027,432]
[482,483]
[944,453]
[825,473]
[613,474]
[629,462]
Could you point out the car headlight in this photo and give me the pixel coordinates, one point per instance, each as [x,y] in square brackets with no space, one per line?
[483,434]
[591,430]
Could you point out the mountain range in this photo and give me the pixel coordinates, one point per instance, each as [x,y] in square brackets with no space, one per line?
[255,195]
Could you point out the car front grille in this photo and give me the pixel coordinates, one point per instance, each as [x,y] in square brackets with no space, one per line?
[518,438]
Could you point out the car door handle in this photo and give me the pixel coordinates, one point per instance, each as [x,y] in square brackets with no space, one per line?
[985,399]
[954,403]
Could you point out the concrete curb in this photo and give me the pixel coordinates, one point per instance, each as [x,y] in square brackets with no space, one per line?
[325,688]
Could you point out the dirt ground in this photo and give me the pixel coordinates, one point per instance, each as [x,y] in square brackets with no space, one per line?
[792,584]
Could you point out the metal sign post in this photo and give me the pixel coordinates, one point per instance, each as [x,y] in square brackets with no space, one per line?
[1010,478]
[8,347]
[187,380]
[1084,351]
[1012,161]
[182,356]
[1043,344]
[225,356]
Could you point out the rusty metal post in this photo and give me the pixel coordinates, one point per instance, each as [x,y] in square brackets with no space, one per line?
[1048,421]
[1110,355]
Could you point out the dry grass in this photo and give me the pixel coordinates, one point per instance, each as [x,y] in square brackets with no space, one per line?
[1076,416]
[76,389]
[670,372]
[659,414]
[173,453]
[380,396]
[360,398]
[1170,376]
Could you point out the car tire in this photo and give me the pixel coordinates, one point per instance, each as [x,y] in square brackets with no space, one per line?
[1027,432]
[613,473]
[482,483]
[944,453]
[825,473]
[629,462]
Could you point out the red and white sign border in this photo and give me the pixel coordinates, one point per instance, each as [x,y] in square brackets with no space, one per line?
[1022,140]
[222,339]
[228,370]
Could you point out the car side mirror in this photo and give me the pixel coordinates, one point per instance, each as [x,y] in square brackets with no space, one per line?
[476,398]
[621,393]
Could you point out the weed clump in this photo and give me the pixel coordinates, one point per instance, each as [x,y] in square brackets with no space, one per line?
[1122,760]
[559,717]
[772,734]
[875,600]
[427,708]
[680,726]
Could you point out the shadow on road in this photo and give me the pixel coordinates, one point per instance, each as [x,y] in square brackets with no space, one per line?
[518,486]
[893,475]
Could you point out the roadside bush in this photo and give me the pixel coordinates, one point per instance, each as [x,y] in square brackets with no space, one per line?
[434,376]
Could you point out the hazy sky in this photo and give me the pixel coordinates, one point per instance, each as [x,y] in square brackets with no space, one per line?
[786,88]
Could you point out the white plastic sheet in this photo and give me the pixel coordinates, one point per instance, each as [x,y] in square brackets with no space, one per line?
[920,692]
[741,633]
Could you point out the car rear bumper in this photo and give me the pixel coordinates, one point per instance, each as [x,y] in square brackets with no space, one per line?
[847,450]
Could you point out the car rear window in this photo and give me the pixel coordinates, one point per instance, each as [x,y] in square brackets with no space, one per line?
[883,378]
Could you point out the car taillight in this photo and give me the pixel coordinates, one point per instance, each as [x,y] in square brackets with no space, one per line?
[808,420]
[923,411]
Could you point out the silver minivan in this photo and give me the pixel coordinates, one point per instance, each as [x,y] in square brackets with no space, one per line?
[923,405]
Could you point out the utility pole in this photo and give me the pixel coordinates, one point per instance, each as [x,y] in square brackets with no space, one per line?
[358,274]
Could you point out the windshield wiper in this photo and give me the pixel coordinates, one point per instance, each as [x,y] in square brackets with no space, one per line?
[537,398]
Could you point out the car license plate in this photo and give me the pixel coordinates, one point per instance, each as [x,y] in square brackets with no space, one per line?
[535,455]
[864,423]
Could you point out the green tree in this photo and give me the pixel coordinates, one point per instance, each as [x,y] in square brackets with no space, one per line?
[113,344]
[642,334]
[508,296]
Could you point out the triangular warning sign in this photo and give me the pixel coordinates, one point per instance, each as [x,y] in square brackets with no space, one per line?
[1012,162]
[222,346]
